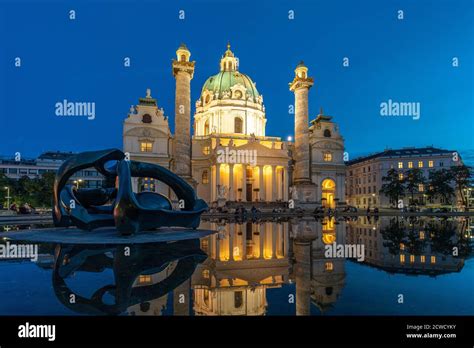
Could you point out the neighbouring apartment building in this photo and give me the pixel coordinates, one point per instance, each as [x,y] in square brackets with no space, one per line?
[364,175]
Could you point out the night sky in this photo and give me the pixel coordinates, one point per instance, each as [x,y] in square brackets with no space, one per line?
[407,60]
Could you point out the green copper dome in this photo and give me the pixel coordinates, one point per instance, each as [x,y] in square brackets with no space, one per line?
[224,80]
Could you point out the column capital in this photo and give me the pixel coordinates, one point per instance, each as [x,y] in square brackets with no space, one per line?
[299,82]
[179,66]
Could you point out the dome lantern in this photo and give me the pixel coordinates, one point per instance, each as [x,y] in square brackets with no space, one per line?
[229,61]
[182,53]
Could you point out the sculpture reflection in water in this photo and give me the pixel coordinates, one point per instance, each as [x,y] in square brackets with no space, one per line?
[119,206]
[142,273]
[246,259]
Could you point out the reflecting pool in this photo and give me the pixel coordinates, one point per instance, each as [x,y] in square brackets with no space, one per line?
[275,266]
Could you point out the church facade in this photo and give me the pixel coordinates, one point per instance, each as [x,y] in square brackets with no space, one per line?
[229,156]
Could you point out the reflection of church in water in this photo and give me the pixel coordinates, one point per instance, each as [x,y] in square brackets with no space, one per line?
[246,260]
[230,117]
[232,272]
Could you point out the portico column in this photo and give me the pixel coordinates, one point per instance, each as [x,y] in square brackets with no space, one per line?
[218,179]
[244,183]
[244,244]
[218,252]
[274,236]
[231,242]
[262,239]
[274,186]
[262,184]
[231,183]
[285,184]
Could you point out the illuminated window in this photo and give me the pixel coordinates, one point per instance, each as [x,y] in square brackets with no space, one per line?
[400,176]
[422,235]
[433,259]
[206,127]
[144,279]
[205,274]
[402,258]
[400,165]
[147,184]
[206,150]
[421,187]
[327,157]
[410,164]
[420,164]
[430,164]
[422,258]
[146,146]
[328,266]
[205,177]
[412,258]
[402,246]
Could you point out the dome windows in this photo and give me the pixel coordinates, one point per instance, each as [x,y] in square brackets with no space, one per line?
[238,125]
[238,94]
[327,133]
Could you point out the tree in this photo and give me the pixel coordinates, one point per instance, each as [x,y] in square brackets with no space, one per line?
[462,176]
[393,187]
[44,194]
[440,184]
[414,178]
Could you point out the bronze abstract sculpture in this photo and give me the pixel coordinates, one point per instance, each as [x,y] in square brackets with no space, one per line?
[119,206]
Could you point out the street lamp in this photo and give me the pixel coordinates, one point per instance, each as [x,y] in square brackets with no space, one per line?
[77,182]
[8,196]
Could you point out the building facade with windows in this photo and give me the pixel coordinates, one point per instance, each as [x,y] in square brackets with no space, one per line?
[229,155]
[364,175]
[48,162]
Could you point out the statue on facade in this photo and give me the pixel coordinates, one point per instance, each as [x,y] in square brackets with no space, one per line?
[293,193]
[222,192]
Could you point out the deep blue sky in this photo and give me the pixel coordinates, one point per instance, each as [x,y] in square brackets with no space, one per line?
[82,60]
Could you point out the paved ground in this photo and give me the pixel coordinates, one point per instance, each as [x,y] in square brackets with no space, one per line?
[103,236]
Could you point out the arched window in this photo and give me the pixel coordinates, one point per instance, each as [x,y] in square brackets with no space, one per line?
[206,127]
[238,299]
[303,75]
[238,123]
[183,58]
[205,177]
[327,133]
[208,98]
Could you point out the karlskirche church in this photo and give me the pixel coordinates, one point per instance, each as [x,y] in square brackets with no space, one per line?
[229,156]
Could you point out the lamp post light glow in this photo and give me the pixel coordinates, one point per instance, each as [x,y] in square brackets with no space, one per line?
[8,196]
[289,138]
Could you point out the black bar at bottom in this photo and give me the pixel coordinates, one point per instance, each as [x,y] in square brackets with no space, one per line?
[236,330]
